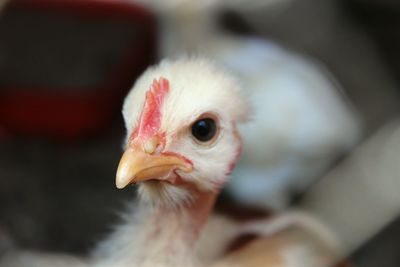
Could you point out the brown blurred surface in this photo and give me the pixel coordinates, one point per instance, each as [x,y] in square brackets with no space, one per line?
[290,245]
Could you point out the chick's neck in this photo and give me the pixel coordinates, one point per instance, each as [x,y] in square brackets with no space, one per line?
[174,232]
[189,218]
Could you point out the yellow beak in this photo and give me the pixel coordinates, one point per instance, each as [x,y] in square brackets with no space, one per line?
[136,166]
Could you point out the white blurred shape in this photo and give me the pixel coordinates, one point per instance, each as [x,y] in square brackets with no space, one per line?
[361,196]
[301,121]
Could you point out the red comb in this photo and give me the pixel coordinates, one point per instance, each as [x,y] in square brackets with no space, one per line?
[150,119]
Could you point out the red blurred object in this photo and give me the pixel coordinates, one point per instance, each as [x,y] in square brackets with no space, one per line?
[65,65]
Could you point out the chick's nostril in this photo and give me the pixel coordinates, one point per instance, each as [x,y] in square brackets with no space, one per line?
[152,145]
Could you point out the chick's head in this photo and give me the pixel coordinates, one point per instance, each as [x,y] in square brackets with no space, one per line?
[181,121]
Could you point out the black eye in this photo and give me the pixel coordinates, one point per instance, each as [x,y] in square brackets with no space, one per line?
[204,129]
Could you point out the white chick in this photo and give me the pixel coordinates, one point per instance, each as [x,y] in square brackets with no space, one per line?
[182,144]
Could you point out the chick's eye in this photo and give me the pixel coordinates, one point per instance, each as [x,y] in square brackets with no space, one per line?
[204,129]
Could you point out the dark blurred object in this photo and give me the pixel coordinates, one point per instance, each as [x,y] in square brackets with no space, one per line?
[65,65]
[382,250]
[382,19]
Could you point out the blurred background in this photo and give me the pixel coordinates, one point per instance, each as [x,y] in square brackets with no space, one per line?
[65,67]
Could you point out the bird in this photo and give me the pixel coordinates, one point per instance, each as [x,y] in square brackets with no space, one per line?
[294,96]
[181,146]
